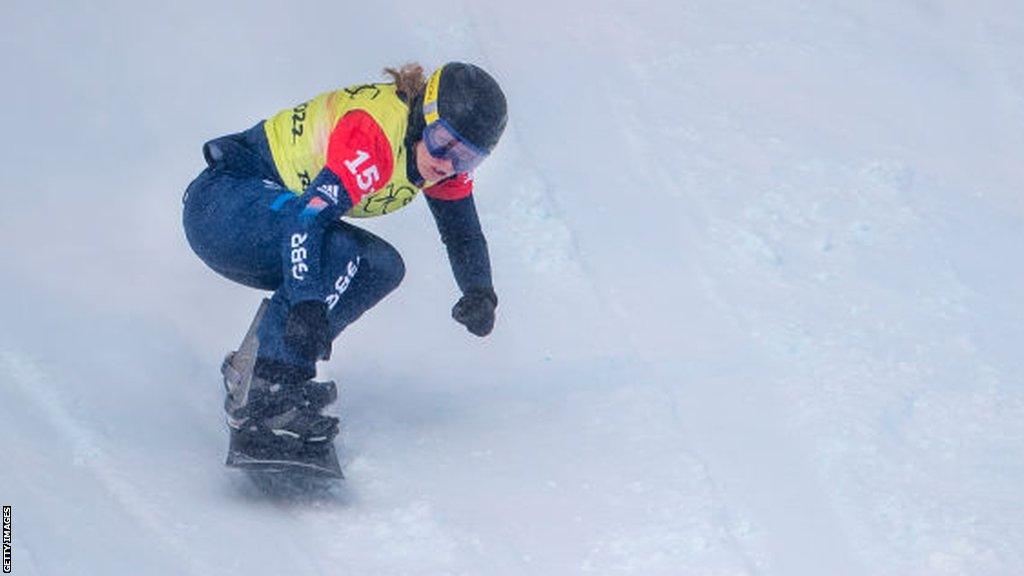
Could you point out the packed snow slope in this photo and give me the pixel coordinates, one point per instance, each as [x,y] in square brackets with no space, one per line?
[760,275]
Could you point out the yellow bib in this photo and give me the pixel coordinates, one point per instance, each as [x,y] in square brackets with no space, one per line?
[298,140]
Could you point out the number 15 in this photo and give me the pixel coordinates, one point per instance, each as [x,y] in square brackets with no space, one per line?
[366,178]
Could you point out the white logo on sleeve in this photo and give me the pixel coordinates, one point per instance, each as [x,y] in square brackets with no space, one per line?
[331,190]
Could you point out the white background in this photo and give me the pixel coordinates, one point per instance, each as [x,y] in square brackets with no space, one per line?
[760,275]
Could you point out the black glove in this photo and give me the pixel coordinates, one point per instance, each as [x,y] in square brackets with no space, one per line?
[475,310]
[306,329]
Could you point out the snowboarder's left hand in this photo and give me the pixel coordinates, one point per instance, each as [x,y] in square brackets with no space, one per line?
[475,310]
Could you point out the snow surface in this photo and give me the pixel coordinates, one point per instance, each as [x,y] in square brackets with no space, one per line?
[760,269]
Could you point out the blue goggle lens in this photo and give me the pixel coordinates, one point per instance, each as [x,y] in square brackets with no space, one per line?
[443,141]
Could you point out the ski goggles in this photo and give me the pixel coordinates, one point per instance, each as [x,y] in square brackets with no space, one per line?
[444,142]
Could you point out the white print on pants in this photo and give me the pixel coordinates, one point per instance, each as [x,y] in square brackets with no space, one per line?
[342,284]
[299,253]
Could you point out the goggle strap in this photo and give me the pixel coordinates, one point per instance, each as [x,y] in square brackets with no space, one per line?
[430,111]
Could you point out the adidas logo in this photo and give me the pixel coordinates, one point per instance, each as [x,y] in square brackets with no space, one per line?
[331,190]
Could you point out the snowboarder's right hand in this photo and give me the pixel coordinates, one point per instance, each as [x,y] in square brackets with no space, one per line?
[306,329]
[475,310]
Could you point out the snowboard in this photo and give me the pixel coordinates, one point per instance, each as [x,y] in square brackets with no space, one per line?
[324,465]
[237,371]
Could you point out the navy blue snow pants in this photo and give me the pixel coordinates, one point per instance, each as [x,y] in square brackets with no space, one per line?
[233,219]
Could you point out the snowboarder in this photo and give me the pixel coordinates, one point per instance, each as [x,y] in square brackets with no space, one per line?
[267,212]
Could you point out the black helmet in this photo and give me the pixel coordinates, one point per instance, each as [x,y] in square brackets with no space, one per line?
[469,100]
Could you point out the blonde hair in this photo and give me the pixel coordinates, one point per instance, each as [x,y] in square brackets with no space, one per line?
[409,79]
